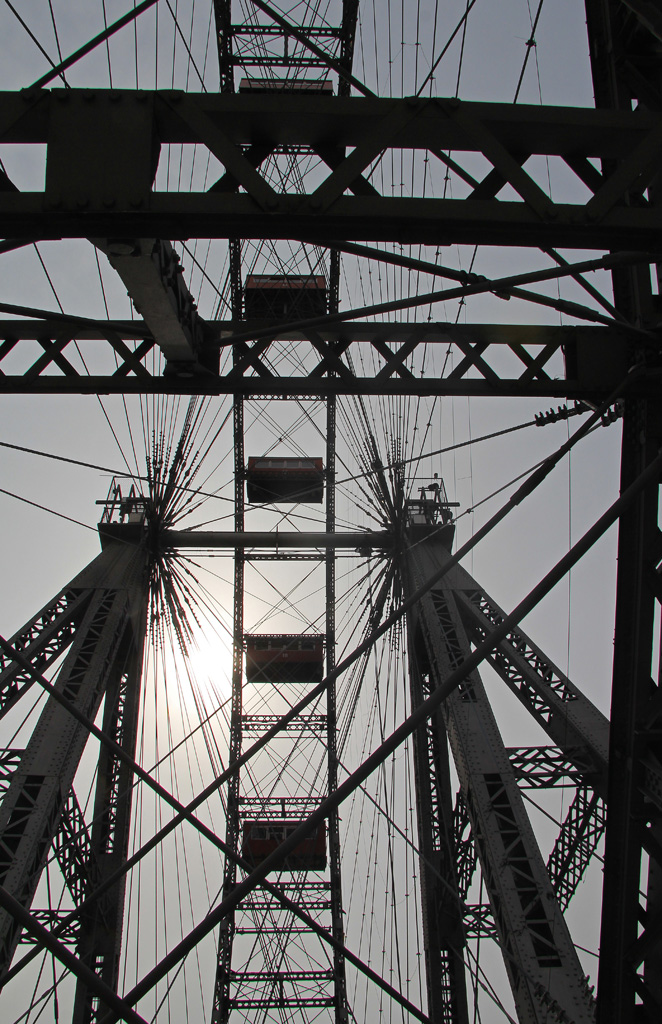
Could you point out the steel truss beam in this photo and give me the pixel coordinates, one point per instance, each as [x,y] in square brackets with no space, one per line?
[465,849]
[547,767]
[103,147]
[567,716]
[53,921]
[37,808]
[550,362]
[73,849]
[42,640]
[10,758]
[101,923]
[580,833]
[81,871]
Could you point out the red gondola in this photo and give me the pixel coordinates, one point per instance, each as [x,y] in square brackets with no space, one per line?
[284,479]
[284,296]
[284,658]
[306,85]
[261,838]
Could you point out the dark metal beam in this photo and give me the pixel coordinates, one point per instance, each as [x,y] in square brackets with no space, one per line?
[92,189]
[538,952]
[73,850]
[101,925]
[43,639]
[150,269]
[634,823]
[548,767]
[398,332]
[273,540]
[315,119]
[594,358]
[409,221]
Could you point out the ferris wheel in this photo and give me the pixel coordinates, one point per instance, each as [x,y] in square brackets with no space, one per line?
[292,288]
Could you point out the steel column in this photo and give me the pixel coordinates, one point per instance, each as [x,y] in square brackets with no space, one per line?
[337,924]
[627,74]
[221,1006]
[441,905]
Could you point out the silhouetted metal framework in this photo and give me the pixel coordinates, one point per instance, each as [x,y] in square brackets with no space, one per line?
[99,622]
[627,72]
[595,360]
[540,958]
[281,63]
[99,186]
[94,189]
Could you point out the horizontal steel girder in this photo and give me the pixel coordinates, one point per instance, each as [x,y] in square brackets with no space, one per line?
[551,361]
[272,540]
[103,150]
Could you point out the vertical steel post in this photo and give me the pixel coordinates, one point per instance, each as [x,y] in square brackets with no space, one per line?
[627,72]
[99,943]
[337,926]
[443,931]
[221,1006]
